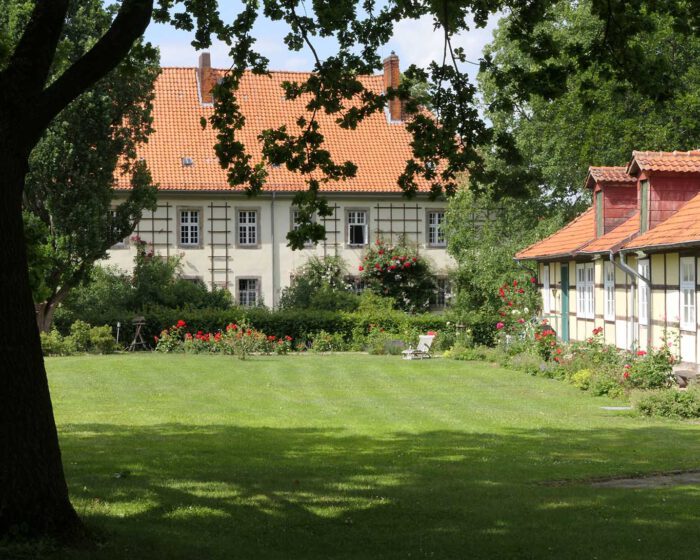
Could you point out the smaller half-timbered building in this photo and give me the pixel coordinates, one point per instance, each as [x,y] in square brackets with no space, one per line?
[629,264]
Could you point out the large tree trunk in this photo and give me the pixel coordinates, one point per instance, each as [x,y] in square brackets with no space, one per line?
[33,492]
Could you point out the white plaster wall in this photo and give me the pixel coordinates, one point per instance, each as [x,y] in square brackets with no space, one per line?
[272,262]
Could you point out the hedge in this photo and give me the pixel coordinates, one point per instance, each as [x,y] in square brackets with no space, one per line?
[295,323]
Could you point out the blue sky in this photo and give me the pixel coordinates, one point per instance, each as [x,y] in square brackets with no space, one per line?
[414,42]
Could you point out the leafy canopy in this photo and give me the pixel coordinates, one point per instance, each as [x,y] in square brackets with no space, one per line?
[69,194]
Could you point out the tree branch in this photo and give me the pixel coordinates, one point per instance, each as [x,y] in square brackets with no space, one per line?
[31,60]
[130,24]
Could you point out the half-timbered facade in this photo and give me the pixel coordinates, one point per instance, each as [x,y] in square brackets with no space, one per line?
[230,240]
[629,264]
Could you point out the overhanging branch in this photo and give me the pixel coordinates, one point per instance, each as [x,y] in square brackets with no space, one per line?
[130,24]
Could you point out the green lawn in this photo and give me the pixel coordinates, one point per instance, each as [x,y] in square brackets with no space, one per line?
[354,456]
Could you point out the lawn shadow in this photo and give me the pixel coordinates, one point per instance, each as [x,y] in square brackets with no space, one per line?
[178,491]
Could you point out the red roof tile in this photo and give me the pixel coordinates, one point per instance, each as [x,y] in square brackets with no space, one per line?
[679,162]
[683,228]
[612,240]
[569,239]
[608,175]
[379,148]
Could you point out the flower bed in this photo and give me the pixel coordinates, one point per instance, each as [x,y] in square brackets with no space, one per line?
[591,365]
[238,340]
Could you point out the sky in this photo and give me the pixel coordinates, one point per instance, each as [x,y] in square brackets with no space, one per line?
[415,42]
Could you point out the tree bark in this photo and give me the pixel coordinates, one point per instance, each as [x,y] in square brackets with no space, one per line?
[46,310]
[33,492]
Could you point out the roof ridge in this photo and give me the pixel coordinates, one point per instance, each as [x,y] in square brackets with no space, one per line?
[248,71]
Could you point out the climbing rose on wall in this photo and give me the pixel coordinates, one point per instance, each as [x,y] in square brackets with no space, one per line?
[398,272]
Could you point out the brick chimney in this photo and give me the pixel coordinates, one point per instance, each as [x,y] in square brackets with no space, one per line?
[392,78]
[205,76]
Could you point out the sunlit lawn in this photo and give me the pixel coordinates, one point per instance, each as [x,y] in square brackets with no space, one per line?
[354,456]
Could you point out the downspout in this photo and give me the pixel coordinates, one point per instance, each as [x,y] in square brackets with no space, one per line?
[275,263]
[532,272]
[629,270]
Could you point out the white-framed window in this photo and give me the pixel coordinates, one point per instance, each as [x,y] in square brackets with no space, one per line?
[688,293]
[248,227]
[189,227]
[609,287]
[436,235]
[546,290]
[643,292]
[443,292]
[248,292]
[357,227]
[585,275]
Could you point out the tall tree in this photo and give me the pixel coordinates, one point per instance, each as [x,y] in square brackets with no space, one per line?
[69,187]
[596,116]
[34,493]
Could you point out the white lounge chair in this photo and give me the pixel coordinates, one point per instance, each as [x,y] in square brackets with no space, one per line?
[422,351]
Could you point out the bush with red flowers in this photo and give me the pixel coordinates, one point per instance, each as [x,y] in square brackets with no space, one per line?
[651,370]
[519,301]
[546,344]
[398,272]
[238,339]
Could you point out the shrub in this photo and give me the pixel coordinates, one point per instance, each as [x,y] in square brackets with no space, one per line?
[80,333]
[399,272]
[671,403]
[53,344]
[603,384]
[101,340]
[651,370]
[582,379]
[323,341]
[320,284]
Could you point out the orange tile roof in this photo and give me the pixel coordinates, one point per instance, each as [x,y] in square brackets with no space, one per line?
[608,175]
[612,240]
[379,148]
[569,239]
[680,162]
[683,228]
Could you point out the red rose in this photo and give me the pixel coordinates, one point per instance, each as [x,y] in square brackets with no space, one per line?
[515,283]
[361,268]
[533,280]
[181,324]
